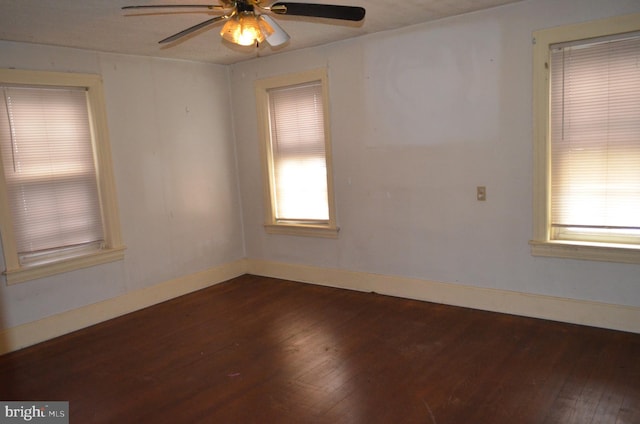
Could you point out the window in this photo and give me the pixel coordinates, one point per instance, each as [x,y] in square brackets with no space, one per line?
[56,185]
[587,141]
[294,129]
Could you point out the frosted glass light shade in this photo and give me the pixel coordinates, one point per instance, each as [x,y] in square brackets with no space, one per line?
[274,34]
[242,29]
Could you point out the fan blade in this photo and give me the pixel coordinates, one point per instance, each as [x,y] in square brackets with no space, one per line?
[166,6]
[348,13]
[194,28]
[273,32]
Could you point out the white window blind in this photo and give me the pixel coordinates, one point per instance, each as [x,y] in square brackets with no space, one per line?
[595,140]
[50,174]
[298,152]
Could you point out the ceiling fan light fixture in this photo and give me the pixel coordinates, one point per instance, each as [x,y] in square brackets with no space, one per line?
[243,29]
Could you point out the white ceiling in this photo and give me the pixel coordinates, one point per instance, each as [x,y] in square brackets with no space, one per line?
[102,25]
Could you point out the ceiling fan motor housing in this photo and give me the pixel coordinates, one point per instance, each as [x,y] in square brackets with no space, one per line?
[244,6]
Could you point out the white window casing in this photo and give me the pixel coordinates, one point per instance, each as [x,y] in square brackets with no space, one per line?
[295,145]
[57,191]
[587,141]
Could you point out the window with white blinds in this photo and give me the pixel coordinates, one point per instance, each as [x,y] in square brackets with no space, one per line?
[586,133]
[49,170]
[293,118]
[58,206]
[298,152]
[595,140]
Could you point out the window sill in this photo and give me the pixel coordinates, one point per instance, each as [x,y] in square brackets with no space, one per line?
[586,251]
[302,230]
[34,272]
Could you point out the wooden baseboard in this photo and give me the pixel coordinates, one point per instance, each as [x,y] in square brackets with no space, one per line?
[595,314]
[47,328]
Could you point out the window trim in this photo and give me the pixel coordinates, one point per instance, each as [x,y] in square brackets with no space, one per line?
[272,225]
[114,248]
[542,244]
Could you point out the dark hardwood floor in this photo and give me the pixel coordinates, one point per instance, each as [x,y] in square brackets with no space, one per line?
[262,350]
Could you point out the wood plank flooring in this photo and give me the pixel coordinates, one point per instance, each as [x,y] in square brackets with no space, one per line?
[262,350]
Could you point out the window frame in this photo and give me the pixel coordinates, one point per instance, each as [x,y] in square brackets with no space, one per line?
[542,244]
[272,225]
[113,249]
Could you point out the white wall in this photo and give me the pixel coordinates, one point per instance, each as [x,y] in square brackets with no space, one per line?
[420,117]
[172,144]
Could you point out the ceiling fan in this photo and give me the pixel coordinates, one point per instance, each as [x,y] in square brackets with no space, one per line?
[248,22]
